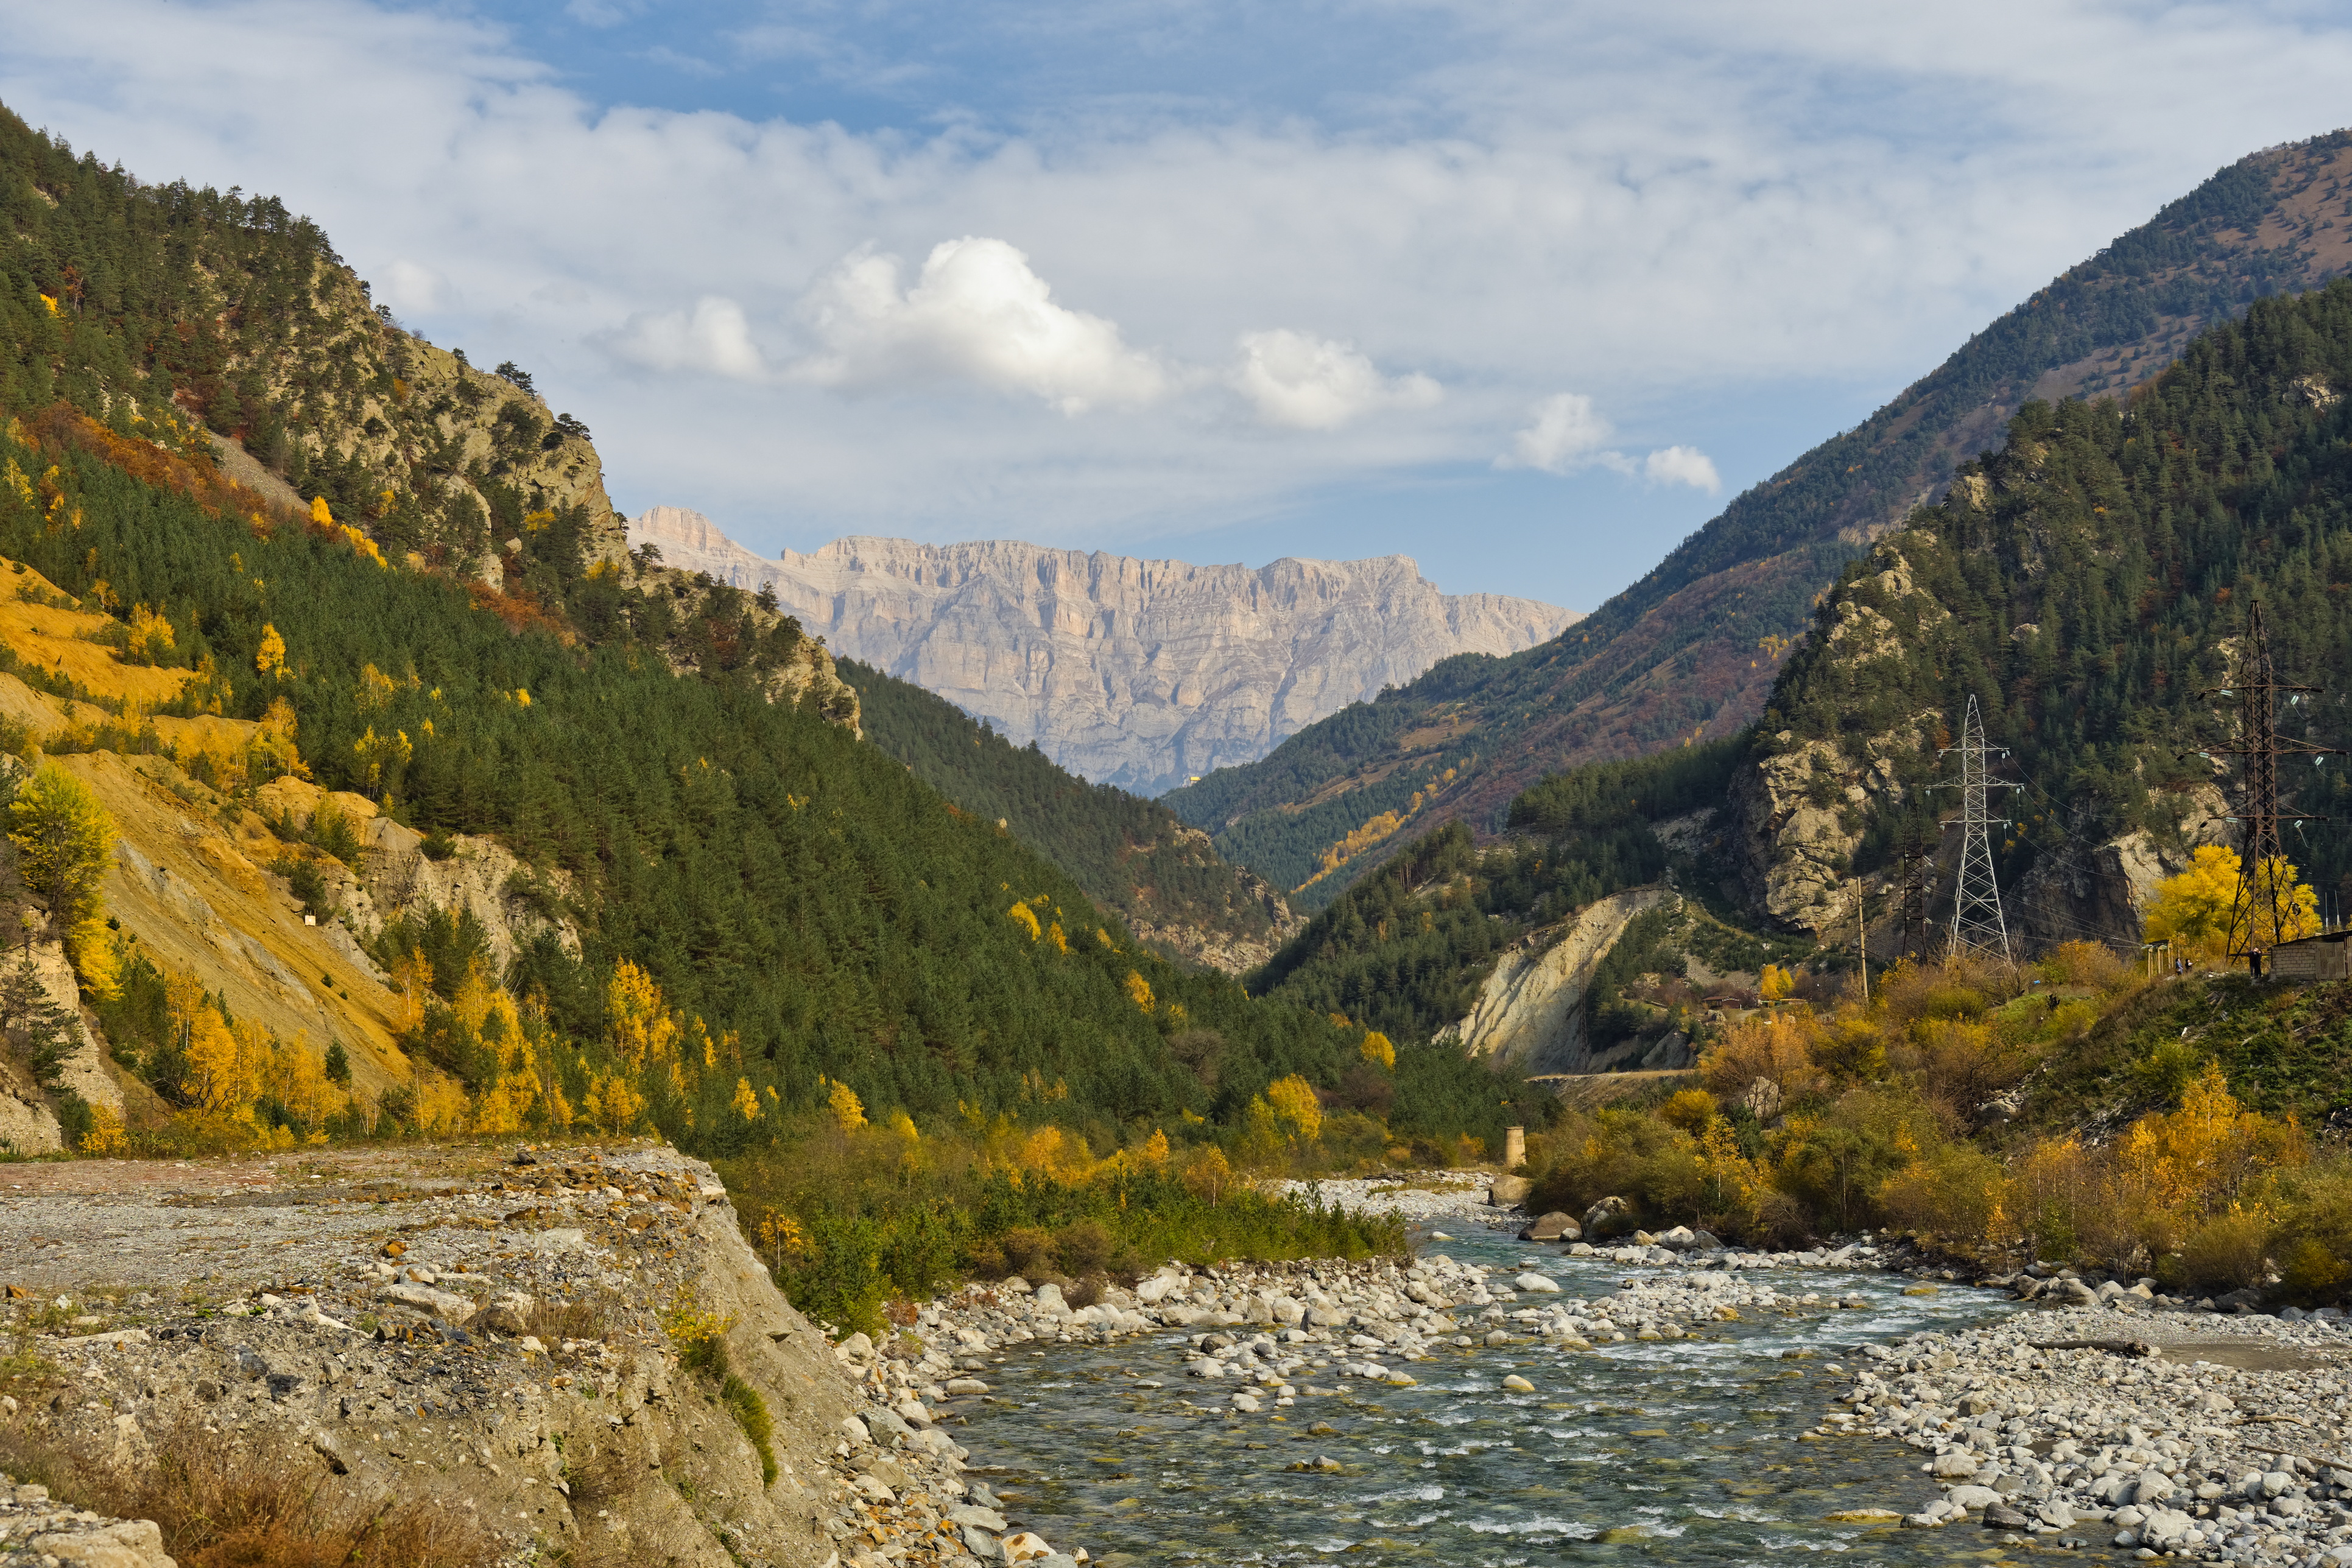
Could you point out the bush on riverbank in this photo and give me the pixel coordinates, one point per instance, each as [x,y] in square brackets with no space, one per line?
[1897,1113]
[852,1217]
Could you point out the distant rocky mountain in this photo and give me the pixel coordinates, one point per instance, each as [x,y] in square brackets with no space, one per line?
[1141,673]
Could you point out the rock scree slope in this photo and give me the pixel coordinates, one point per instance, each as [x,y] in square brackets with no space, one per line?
[1136,672]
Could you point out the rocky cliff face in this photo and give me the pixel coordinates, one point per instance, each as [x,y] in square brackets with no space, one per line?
[518,1346]
[1530,1013]
[1136,672]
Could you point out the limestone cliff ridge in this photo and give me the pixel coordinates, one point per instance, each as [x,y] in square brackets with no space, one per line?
[1141,673]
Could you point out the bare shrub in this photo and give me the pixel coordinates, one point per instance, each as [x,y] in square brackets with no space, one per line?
[1027,1249]
[554,1319]
[265,1505]
[1084,1247]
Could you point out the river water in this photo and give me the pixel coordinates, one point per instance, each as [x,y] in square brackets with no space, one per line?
[1675,1451]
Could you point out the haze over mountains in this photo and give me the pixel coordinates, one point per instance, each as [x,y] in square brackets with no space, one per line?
[1141,673]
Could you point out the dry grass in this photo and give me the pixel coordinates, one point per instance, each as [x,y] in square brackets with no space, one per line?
[555,1319]
[266,1506]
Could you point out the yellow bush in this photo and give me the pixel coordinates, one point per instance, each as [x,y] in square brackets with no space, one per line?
[1294,1103]
[1378,1050]
[1691,1109]
[1776,1046]
[841,1100]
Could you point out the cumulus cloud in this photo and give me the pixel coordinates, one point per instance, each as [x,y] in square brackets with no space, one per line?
[1566,433]
[1311,383]
[978,313]
[1705,208]
[1682,466]
[714,337]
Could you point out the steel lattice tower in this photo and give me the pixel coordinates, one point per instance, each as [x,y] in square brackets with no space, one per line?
[1977,920]
[2262,910]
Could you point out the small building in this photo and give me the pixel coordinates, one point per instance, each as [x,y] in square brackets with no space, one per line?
[2326,957]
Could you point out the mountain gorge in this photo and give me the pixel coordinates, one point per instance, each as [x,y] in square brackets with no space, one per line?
[1141,673]
[1692,651]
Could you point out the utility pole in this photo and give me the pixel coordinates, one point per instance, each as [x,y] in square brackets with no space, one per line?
[1977,921]
[1862,940]
[1915,899]
[2263,911]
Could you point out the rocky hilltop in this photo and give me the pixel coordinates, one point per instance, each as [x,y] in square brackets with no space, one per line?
[1141,673]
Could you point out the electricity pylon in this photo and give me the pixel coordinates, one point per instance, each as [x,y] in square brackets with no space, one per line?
[2263,910]
[1977,920]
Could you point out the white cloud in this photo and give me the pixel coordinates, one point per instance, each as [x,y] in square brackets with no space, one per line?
[978,313]
[1749,225]
[409,287]
[716,339]
[1311,383]
[1682,466]
[1566,434]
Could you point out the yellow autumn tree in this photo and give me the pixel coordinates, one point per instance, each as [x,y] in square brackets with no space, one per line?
[611,1103]
[1378,1051]
[1294,1106]
[1138,989]
[270,658]
[848,1111]
[65,841]
[746,1102]
[645,1032]
[1775,983]
[2191,911]
[1208,1173]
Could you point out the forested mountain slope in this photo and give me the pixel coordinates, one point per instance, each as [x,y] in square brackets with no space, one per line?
[593,846]
[1132,856]
[2089,585]
[2086,584]
[1691,651]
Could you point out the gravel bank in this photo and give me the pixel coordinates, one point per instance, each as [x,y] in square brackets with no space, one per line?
[2171,1434]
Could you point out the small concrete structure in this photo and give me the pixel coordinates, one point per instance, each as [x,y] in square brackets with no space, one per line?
[2326,957]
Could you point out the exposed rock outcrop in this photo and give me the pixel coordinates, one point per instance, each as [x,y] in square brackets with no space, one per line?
[433,1326]
[1530,1013]
[1136,673]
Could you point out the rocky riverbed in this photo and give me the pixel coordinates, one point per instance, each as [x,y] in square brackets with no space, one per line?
[2178,1433]
[1493,1396]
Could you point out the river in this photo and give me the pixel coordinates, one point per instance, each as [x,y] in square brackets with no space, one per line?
[1677,1452]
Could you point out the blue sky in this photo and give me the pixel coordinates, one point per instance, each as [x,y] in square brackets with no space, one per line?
[1525,292]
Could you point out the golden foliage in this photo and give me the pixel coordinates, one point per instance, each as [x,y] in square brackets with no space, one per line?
[644,1032]
[1294,1103]
[105,1135]
[1775,1046]
[1378,1050]
[848,1112]
[746,1102]
[1208,1173]
[1775,983]
[1138,989]
[1024,917]
[270,658]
